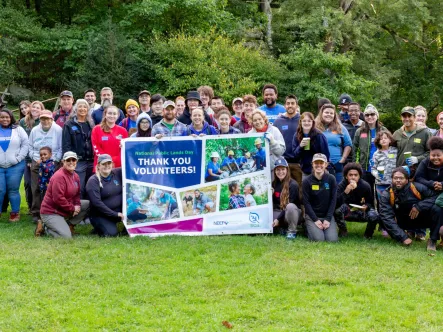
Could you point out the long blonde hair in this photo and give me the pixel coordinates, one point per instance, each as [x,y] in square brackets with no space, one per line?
[104,125]
[29,121]
[334,126]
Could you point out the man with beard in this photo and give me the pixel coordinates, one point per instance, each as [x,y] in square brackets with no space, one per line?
[157,101]
[406,205]
[144,99]
[90,97]
[106,96]
[169,126]
[206,95]
[66,103]
[287,123]
[271,108]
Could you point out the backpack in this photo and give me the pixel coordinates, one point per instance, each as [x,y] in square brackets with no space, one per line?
[413,189]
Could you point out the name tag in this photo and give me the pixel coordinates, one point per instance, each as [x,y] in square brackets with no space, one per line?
[417,140]
[104,138]
[284,127]
[364,135]
[74,128]
[391,155]
[315,187]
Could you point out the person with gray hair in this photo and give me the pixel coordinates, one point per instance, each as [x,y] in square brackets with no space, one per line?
[76,137]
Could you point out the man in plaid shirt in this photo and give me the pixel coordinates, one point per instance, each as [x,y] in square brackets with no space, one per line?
[169,125]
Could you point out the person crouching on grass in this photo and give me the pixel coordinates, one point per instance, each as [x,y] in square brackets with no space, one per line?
[285,199]
[62,208]
[406,205]
[354,190]
[319,198]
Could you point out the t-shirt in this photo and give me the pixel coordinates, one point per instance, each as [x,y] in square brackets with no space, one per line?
[237,118]
[273,112]
[169,125]
[250,199]
[5,138]
[167,198]
[337,142]
[129,124]
[212,166]
[373,149]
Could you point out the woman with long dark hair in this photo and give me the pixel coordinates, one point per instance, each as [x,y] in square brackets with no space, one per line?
[308,141]
[285,199]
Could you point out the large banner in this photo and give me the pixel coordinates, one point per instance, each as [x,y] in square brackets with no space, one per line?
[197,185]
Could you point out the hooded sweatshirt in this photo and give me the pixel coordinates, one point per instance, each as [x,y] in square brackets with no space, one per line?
[17,149]
[40,138]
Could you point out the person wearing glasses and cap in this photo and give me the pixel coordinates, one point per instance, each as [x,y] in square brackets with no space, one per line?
[62,208]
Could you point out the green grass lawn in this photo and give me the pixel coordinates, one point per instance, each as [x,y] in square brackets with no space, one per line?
[194,283]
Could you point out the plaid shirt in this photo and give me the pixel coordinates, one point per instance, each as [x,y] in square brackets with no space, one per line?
[160,128]
[236,201]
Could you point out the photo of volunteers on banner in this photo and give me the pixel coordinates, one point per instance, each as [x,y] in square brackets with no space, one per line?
[190,186]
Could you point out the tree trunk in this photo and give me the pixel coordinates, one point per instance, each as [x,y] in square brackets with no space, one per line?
[346,5]
[38,6]
[266,8]
[28,4]
[69,12]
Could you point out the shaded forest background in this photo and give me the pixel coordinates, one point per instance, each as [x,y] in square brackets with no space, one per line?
[385,52]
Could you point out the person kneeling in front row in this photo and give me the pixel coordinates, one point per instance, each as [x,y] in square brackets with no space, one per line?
[105,193]
[353,190]
[406,205]
[62,208]
[319,198]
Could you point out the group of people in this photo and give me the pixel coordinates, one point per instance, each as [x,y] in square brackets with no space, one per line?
[339,165]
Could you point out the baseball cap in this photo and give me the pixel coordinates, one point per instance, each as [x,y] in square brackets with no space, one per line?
[144,91]
[66,93]
[104,158]
[237,99]
[281,162]
[344,99]
[407,109]
[319,156]
[46,114]
[70,154]
[168,103]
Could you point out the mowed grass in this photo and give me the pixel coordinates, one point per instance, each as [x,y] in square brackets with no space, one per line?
[260,283]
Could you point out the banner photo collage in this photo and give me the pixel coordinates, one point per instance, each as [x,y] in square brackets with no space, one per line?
[208,185]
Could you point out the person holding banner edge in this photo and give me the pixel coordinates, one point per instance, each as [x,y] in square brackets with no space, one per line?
[105,195]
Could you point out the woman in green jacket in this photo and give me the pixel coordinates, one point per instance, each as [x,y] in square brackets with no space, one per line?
[364,147]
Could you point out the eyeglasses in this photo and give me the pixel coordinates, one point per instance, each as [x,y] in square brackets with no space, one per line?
[370,114]
[398,178]
[144,122]
[71,160]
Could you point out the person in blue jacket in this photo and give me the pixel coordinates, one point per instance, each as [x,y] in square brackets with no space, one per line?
[213,168]
[199,127]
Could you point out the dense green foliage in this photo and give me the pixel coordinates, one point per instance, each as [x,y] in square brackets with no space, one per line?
[388,53]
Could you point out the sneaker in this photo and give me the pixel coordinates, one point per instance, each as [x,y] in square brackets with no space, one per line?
[39,229]
[420,237]
[431,245]
[291,236]
[14,217]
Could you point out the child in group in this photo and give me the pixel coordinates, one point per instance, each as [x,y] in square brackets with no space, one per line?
[248,191]
[384,162]
[46,170]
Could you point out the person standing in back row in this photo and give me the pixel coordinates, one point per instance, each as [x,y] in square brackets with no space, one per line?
[271,107]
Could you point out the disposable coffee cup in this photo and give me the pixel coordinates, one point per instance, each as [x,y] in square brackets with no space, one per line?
[408,155]
[308,145]
[381,169]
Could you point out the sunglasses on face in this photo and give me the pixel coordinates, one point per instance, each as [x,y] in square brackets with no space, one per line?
[368,115]
[71,160]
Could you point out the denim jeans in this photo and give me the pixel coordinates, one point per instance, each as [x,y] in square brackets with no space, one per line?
[10,179]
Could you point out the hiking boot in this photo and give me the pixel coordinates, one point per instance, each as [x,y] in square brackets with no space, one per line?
[342,232]
[420,237]
[39,229]
[72,229]
[432,245]
[14,217]
[291,236]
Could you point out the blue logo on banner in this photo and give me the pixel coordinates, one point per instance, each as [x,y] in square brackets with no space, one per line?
[175,164]
[254,217]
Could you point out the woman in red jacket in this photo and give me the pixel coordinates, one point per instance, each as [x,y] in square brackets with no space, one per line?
[62,208]
[107,136]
